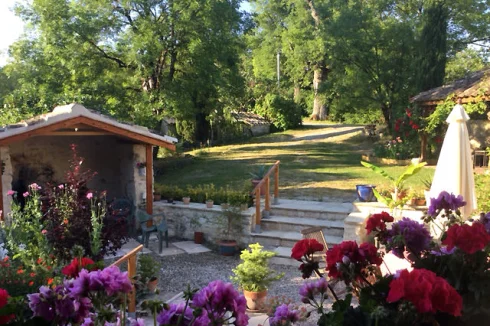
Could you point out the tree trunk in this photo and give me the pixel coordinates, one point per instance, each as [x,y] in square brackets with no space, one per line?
[319,108]
[423,147]
[386,110]
[296,94]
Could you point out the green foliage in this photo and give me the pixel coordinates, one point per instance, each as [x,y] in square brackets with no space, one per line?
[397,183]
[253,273]
[259,172]
[463,63]
[482,184]
[26,232]
[395,149]
[98,209]
[442,111]
[282,111]
[147,268]
[201,193]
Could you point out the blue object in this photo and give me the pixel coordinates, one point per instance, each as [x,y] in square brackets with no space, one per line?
[161,228]
[365,193]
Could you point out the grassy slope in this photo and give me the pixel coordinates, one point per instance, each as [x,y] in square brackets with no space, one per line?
[318,169]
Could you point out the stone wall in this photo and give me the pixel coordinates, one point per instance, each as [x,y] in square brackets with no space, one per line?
[479,132]
[179,217]
[136,182]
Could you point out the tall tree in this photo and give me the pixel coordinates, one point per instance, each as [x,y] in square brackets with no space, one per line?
[138,59]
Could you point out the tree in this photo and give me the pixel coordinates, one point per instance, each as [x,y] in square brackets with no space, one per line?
[137,59]
[463,63]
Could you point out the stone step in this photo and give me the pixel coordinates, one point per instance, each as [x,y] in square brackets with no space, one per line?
[284,223]
[285,239]
[307,209]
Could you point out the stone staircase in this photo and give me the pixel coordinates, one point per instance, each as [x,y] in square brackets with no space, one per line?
[282,229]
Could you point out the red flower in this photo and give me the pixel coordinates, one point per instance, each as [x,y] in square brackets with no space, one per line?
[377,222]
[361,256]
[73,268]
[305,247]
[415,126]
[3,301]
[468,238]
[409,113]
[426,291]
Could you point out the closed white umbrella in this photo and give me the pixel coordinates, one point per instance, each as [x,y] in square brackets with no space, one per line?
[454,170]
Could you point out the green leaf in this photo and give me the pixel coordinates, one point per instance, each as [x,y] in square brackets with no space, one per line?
[378,170]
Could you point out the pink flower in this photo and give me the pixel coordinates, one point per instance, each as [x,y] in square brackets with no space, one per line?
[90,195]
[44,232]
[61,186]
[35,186]
[11,192]
[25,194]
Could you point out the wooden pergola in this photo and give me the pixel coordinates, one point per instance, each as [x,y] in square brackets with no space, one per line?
[75,120]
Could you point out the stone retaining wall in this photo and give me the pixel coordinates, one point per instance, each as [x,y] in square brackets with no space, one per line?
[179,217]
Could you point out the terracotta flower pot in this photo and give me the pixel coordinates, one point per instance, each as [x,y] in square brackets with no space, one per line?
[244,207]
[227,247]
[186,200]
[255,300]
[198,237]
[152,284]
[225,206]
[209,203]
[157,197]
[262,187]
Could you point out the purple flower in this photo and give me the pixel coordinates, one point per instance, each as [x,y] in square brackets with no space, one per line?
[11,192]
[410,235]
[443,251]
[61,186]
[445,201]
[25,194]
[90,195]
[40,303]
[485,220]
[218,299]
[284,315]
[110,279]
[171,315]
[136,322]
[309,290]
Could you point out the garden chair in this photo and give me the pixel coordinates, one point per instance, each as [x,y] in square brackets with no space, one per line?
[122,207]
[160,227]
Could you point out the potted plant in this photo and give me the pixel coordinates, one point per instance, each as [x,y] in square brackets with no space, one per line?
[157,196]
[148,269]
[230,224]
[257,176]
[398,197]
[209,200]
[195,224]
[253,275]
[186,200]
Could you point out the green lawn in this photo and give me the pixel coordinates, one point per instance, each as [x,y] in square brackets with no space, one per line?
[318,169]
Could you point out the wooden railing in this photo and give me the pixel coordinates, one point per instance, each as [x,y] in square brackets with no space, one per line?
[266,180]
[130,258]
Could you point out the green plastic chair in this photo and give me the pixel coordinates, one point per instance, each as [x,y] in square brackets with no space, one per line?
[161,228]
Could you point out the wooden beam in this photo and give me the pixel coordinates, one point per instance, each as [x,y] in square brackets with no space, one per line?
[41,130]
[77,133]
[126,133]
[149,179]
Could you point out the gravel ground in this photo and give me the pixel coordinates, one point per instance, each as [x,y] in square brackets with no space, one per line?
[200,269]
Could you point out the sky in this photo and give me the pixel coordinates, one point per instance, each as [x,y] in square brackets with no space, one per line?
[11,27]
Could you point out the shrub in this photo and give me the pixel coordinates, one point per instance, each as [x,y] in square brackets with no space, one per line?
[68,218]
[282,111]
[200,193]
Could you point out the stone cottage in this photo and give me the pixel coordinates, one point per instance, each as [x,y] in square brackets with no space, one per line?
[39,150]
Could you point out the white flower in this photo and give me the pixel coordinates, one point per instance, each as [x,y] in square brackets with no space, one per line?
[22,246]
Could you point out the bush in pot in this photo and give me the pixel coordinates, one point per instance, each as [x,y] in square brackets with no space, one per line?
[254,275]
[230,224]
[148,270]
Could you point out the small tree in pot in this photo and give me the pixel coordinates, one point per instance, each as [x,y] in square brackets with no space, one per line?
[148,270]
[230,224]
[254,275]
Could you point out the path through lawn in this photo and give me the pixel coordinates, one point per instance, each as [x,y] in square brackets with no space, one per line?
[318,162]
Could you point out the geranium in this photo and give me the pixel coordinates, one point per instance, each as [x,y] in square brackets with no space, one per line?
[377,222]
[347,253]
[175,311]
[284,315]
[445,201]
[305,247]
[74,267]
[426,291]
[309,290]
[109,280]
[408,234]
[3,302]
[468,238]
[221,301]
